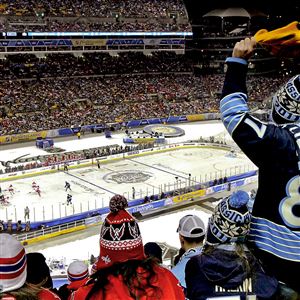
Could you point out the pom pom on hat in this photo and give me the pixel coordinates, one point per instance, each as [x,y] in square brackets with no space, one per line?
[230,221]
[117,203]
[13,263]
[77,270]
[238,199]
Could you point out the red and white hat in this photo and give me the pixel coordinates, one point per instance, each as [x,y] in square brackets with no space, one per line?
[120,237]
[77,270]
[13,264]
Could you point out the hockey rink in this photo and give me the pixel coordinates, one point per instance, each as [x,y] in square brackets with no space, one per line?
[92,187]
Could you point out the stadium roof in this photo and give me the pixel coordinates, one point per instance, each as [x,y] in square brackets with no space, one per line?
[234,12]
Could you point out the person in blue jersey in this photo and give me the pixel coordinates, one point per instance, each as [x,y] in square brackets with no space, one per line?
[274,148]
[191,231]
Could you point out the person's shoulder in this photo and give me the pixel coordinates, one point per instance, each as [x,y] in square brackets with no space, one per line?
[81,293]
[162,270]
[46,294]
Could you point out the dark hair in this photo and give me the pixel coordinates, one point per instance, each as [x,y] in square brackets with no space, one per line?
[152,249]
[197,240]
[130,276]
[38,272]
[177,257]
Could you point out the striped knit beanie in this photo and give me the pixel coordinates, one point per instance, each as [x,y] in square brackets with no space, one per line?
[120,237]
[77,270]
[230,221]
[13,264]
[286,102]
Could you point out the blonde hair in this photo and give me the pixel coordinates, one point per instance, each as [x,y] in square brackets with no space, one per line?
[26,292]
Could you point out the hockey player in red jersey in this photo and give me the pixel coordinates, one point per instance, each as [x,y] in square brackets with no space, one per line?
[38,191]
[11,189]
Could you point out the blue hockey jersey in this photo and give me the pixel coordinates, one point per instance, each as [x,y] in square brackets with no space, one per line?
[275,227]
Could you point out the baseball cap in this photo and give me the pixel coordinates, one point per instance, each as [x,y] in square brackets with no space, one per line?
[191,226]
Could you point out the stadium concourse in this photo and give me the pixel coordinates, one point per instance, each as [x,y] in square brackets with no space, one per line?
[92,186]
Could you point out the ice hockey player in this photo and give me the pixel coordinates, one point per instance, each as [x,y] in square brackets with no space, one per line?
[38,191]
[26,213]
[69,199]
[11,189]
[34,185]
[66,167]
[67,186]
[4,200]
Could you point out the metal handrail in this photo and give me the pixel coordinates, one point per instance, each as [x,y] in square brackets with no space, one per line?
[48,230]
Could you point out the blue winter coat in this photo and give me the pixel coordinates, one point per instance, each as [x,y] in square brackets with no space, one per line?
[222,272]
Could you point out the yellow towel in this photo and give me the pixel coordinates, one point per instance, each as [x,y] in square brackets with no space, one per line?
[284,41]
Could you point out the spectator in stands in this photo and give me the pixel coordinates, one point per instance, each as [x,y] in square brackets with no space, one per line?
[38,275]
[2,226]
[78,275]
[9,226]
[274,148]
[123,272]
[191,232]
[13,273]
[19,226]
[153,250]
[27,226]
[226,267]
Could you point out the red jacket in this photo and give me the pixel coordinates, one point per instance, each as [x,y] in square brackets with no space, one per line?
[117,290]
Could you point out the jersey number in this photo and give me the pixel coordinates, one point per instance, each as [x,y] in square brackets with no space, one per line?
[286,205]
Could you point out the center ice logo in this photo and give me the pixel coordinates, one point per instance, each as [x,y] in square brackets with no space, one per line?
[128,176]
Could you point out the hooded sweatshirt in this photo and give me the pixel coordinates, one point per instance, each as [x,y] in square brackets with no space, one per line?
[223,272]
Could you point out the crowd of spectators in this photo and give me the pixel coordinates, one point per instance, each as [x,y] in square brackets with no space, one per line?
[88,15]
[55,159]
[103,8]
[66,65]
[63,84]
[52,25]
